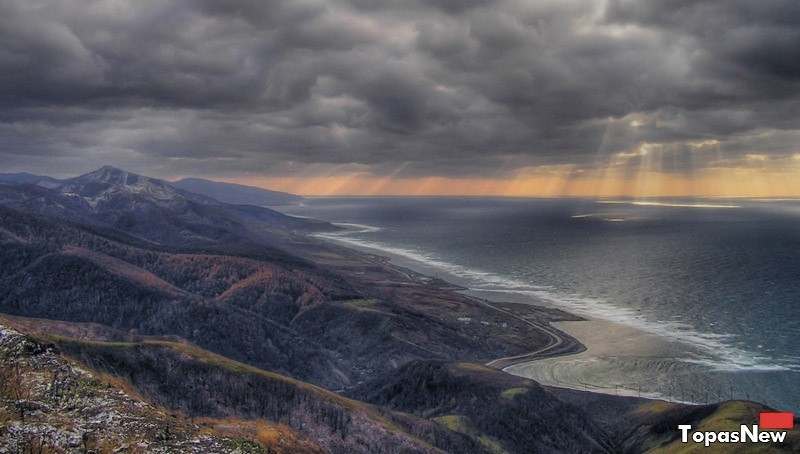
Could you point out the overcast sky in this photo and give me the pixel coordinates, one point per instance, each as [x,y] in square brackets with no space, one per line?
[402,88]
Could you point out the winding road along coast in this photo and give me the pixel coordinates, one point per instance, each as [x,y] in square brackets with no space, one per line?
[558,345]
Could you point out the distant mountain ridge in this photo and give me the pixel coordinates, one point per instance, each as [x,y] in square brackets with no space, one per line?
[28,178]
[108,181]
[236,193]
[148,208]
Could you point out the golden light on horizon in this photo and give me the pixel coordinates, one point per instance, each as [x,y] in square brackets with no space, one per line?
[550,182]
[685,169]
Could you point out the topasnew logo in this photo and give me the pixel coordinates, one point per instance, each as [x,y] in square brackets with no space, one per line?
[745,434]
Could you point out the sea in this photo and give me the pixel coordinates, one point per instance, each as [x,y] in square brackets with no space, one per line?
[719,276]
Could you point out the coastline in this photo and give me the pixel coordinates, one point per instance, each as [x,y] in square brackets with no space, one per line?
[608,344]
[575,340]
[561,343]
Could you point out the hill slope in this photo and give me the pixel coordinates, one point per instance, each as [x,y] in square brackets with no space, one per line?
[235,193]
[201,384]
[503,411]
[332,322]
[48,404]
[28,178]
[511,414]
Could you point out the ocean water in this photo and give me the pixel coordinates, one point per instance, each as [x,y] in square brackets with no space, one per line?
[719,276]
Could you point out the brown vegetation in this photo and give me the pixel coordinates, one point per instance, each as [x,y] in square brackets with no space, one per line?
[49,405]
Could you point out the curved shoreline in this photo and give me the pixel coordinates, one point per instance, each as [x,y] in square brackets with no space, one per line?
[603,355]
[560,344]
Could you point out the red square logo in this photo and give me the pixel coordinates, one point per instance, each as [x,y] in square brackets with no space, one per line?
[776,420]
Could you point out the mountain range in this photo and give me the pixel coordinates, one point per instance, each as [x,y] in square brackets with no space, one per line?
[237,329]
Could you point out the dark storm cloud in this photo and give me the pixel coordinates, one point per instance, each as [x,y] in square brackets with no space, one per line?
[435,87]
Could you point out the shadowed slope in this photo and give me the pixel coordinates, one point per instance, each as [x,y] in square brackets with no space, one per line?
[235,193]
[199,383]
[48,404]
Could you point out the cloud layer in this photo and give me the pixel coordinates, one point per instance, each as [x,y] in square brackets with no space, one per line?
[413,88]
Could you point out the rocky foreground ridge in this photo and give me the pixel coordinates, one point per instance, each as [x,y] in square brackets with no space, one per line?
[50,404]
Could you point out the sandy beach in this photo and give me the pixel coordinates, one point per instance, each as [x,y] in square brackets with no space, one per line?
[614,354]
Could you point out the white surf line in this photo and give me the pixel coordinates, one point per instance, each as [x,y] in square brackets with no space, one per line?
[722,356]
